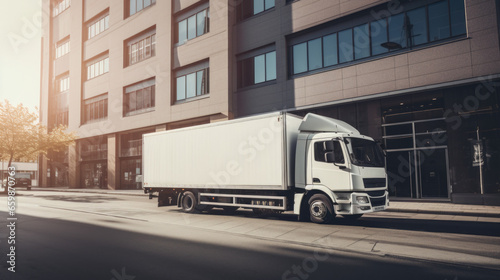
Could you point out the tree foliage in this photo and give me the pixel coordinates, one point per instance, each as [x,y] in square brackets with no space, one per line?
[23,137]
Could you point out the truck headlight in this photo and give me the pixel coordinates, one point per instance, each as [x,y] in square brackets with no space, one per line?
[362,199]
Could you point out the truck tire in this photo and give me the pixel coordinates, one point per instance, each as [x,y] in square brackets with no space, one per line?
[204,207]
[188,202]
[320,209]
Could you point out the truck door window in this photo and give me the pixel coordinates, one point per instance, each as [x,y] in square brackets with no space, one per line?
[323,147]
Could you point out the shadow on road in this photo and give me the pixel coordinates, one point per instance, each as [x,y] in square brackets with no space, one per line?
[82,199]
[438,226]
[60,249]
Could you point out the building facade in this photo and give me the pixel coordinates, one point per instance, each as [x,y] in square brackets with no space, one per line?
[419,76]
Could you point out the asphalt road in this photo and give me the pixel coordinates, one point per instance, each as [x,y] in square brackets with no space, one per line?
[89,236]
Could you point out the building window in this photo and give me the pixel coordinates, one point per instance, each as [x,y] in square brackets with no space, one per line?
[250,8]
[135,6]
[97,68]
[193,24]
[63,84]
[95,108]
[60,6]
[94,149]
[61,118]
[141,47]
[257,69]
[61,101]
[98,26]
[139,98]
[62,48]
[192,82]
[420,24]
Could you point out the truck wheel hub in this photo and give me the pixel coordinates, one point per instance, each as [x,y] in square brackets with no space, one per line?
[318,209]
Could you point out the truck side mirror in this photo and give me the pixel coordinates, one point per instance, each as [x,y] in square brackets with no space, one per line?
[330,157]
[328,146]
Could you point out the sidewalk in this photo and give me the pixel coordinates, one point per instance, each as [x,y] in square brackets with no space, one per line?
[439,208]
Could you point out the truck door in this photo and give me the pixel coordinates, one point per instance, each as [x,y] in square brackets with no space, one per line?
[329,165]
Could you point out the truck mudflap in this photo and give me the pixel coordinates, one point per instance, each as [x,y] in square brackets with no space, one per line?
[361,203]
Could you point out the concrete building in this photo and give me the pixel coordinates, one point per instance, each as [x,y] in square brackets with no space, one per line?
[420,76]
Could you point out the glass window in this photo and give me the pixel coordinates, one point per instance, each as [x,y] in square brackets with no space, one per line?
[200,85]
[201,22]
[314,54]
[191,27]
[132,101]
[191,85]
[258,6]
[330,50]
[361,41]
[457,11]
[379,36]
[439,21]
[183,31]
[269,4]
[106,65]
[397,30]
[271,66]
[133,7]
[260,69]
[346,51]
[140,5]
[181,88]
[417,19]
[300,58]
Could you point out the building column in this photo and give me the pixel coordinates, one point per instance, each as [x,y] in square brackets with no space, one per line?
[73,167]
[42,171]
[113,165]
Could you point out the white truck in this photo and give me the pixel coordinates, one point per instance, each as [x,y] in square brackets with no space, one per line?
[315,166]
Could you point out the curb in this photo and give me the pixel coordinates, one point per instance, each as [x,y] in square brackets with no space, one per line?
[451,212]
[108,192]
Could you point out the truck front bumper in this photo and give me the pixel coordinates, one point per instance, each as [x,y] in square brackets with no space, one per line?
[361,203]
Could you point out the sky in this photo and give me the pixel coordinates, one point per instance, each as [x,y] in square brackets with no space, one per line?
[20,38]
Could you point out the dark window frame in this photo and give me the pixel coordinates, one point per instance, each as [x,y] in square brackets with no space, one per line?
[362,18]
[90,114]
[135,41]
[185,16]
[128,9]
[246,63]
[141,89]
[245,9]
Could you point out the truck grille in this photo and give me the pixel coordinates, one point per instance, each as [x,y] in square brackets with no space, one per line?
[374,182]
[376,193]
[377,201]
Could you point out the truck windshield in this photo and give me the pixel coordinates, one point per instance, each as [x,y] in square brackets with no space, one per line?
[365,152]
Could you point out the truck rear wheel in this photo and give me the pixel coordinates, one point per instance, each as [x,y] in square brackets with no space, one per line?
[188,202]
[320,209]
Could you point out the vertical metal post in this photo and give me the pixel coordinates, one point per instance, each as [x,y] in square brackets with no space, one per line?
[480,161]
[415,160]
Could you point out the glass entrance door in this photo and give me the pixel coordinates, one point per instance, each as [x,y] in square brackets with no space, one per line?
[421,173]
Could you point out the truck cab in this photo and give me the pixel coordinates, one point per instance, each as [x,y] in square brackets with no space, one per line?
[338,170]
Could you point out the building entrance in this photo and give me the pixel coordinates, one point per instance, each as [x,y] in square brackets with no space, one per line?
[417,159]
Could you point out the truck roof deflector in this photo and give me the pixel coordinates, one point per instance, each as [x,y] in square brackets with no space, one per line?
[316,123]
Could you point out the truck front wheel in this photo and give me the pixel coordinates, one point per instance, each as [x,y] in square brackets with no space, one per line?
[320,209]
[188,202]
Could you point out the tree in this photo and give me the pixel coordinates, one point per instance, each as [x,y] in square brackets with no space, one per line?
[23,137]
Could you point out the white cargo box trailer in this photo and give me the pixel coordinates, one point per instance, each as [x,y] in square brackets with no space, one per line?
[252,153]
